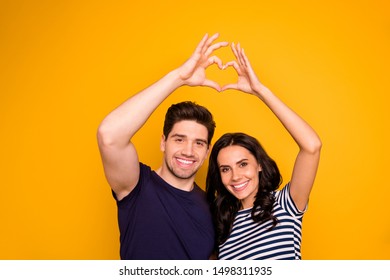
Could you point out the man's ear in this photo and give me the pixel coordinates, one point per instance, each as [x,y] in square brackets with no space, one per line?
[162,143]
[208,150]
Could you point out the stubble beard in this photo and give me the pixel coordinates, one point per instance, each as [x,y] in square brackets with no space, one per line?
[185,175]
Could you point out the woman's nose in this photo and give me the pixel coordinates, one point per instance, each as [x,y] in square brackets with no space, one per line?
[236,175]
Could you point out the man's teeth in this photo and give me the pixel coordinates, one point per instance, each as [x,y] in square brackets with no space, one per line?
[185,161]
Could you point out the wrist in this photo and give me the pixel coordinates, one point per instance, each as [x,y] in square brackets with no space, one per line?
[261,91]
[175,78]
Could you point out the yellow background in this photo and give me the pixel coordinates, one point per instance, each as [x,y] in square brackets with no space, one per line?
[67,64]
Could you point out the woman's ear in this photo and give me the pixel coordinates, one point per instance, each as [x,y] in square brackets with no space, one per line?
[259,168]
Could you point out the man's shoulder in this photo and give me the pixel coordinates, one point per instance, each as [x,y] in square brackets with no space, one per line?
[198,188]
[145,170]
[143,165]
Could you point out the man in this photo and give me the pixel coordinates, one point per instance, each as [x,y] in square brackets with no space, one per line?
[163,214]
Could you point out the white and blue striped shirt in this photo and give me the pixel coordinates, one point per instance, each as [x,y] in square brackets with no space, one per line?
[253,241]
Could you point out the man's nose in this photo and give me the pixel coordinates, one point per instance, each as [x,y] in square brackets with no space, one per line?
[188,149]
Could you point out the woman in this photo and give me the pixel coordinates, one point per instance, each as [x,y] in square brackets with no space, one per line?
[255,220]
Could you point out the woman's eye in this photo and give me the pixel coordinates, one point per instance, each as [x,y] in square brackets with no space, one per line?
[224,170]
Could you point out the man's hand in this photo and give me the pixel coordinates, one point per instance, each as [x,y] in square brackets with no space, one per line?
[193,71]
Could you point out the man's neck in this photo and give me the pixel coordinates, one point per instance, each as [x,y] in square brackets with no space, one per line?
[174,181]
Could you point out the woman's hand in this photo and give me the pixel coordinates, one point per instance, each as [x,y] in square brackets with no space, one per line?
[247,79]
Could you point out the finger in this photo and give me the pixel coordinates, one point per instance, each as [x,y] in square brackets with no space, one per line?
[234,50]
[235,66]
[229,86]
[212,39]
[239,58]
[245,59]
[237,53]
[212,84]
[209,42]
[215,60]
[215,47]
[201,44]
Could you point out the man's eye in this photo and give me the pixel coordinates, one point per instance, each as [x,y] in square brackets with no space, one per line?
[200,143]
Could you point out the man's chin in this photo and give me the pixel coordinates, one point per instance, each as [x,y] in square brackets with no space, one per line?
[184,175]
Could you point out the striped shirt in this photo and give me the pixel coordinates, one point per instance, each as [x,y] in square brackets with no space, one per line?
[254,241]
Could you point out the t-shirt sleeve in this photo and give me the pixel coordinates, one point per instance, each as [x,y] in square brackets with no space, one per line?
[144,169]
[287,203]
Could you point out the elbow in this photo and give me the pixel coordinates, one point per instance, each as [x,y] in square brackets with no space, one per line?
[314,146]
[311,145]
[104,136]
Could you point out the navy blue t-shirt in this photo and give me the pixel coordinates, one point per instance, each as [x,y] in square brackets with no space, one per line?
[160,222]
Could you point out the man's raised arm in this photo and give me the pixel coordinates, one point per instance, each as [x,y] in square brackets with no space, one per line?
[119,156]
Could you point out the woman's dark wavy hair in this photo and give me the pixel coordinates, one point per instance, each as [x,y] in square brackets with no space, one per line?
[224,205]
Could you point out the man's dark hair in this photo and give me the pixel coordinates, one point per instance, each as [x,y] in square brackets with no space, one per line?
[189,111]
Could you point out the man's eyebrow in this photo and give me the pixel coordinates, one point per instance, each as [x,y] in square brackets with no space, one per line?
[179,135]
[185,136]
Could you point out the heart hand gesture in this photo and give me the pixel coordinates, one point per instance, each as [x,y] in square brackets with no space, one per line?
[193,71]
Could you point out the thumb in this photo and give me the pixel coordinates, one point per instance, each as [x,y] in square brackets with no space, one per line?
[212,84]
[229,86]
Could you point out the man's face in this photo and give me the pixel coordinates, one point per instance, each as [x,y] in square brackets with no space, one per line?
[185,149]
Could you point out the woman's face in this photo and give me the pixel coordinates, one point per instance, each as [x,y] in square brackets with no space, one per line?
[239,171]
